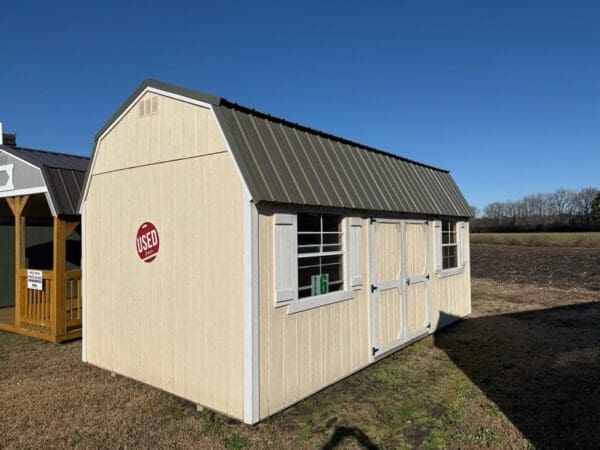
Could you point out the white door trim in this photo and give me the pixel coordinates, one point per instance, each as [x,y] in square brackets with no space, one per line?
[378,350]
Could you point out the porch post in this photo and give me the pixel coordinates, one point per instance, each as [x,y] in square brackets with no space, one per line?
[17,205]
[58,278]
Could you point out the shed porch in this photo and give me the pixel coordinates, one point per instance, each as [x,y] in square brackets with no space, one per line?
[39,242]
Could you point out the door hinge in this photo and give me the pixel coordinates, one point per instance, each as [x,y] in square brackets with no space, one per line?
[375,350]
[408,281]
[373,288]
[429,325]
[427,276]
[372,220]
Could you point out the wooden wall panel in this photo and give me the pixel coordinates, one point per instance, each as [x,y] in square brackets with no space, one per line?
[451,295]
[303,352]
[178,130]
[175,323]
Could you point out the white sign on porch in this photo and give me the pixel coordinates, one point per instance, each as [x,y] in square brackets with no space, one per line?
[34,280]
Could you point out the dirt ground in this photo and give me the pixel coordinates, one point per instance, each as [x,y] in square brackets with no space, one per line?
[545,266]
[522,371]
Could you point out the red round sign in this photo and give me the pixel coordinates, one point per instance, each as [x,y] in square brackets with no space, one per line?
[147,242]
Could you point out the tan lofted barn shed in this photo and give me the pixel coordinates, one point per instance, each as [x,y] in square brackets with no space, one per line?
[244,262]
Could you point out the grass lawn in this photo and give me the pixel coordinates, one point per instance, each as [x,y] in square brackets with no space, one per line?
[590,239]
[522,371]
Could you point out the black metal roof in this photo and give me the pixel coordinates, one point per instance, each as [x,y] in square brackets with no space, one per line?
[285,162]
[64,175]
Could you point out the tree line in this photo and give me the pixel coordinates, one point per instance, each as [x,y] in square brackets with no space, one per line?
[561,210]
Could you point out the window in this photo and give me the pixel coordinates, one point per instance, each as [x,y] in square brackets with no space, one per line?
[449,245]
[320,254]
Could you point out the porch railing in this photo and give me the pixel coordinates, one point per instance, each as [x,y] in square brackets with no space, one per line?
[37,306]
[73,299]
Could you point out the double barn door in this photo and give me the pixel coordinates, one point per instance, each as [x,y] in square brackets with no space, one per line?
[399,299]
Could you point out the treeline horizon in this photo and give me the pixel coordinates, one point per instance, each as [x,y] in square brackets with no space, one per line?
[561,210]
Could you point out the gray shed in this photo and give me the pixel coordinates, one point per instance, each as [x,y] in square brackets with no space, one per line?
[40,241]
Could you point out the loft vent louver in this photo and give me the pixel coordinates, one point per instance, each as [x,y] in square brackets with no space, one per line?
[148,107]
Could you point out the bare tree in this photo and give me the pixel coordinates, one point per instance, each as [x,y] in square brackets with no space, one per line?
[561,210]
[583,200]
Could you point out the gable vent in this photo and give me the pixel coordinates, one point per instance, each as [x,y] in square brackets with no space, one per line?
[148,107]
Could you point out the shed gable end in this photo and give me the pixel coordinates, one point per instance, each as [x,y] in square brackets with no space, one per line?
[16,175]
[157,128]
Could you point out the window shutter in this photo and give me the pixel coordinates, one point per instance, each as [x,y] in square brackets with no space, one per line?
[354,246]
[461,243]
[437,242]
[285,258]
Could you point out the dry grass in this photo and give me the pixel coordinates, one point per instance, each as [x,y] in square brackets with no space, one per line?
[589,240]
[521,371]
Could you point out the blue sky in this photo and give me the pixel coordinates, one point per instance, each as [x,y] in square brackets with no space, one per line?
[504,94]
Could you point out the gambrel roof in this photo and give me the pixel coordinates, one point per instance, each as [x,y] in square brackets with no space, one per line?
[288,163]
[63,175]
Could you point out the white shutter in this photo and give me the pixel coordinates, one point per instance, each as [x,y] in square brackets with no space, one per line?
[354,243]
[461,243]
[437,245]
[286,262]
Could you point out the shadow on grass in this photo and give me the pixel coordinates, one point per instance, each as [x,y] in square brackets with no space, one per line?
[542,369]
[345,434]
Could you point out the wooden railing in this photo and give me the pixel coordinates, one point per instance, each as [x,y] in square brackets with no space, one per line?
[73,299]
[36,307]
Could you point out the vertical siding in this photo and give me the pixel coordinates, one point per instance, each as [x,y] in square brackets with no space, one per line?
[451,296]
[179,130]
[416,261]
[388,266]
[303,352]
[175,323]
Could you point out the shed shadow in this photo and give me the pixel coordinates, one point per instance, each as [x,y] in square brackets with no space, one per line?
[541,367]
[345,435]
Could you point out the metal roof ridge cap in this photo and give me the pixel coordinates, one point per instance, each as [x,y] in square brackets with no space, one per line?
[39,150]
[264,115]
[161,85]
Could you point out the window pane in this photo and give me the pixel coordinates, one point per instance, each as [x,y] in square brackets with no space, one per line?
[332,238]
[305,239]
[319,234]
[448,232]
[308,262]
[334,271]
[304,276]
[449,257]
[335,259]
[309,222]
[332,222]
[335,286]
[304,292]
[309,249]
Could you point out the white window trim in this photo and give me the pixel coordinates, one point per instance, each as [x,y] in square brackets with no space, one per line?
[316,301]
[452,271]
[303,304]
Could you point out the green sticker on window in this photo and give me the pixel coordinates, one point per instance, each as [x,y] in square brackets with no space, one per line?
[319,284]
